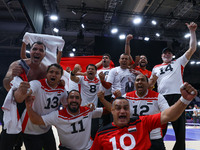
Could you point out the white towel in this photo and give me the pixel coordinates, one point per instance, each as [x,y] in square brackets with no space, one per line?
[11,122]
[51,42]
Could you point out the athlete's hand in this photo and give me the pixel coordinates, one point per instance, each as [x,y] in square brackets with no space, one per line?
[24,88]
[188,92]
[101,76]
[61,83]
[29,101]
[129,37]
[17,70]
[77,68]
[91,106]
[117,93]
[100,95]
[192,26]
[68,69]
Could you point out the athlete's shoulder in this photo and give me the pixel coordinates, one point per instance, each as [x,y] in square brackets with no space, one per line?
[153,93]
[159,65]
[106,129]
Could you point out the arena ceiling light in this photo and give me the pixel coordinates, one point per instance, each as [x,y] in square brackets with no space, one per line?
[158,34]
[54,17]
[198,62]
[192,62]
[187,35]
[82,25]
[27,51]
[146,38]
[73,49]
[71,54]
[173,56]
[122,36]
[154,22]
[114,30]
[56,30]
[137,20]
[199,43]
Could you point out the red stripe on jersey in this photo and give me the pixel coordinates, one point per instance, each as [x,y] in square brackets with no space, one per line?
[45,85]
[152,95]
[160,65]
[52,90]
[24,123]
[95,80]
[64,114]
[109,68]
[182,69]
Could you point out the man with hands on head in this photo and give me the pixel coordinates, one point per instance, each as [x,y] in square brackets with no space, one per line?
[126,133]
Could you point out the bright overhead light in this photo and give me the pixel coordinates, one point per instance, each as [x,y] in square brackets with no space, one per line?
[137,20]
[158,34]
[82,25]
[54,17]
[122,36]
[73,49]
[198,62]
[27,51]
[187,35]
[146,38]
[153,22]
[56,30]
[173,56]
[199,43]
[71,54]
[114,30]
[192,62]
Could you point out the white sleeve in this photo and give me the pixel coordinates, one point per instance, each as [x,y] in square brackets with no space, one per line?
[182,60]
[97,113]
[111,75]
[80,79]
[51,118]
[162,102]
[63,99]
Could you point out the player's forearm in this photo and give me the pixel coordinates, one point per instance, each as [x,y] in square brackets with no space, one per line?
[6,82]
[127,48]
[59,55]
[23,51]
[106,85]
[99,64]
[34,117]
[173,112]
[106,104]
[193,41]
[19,96]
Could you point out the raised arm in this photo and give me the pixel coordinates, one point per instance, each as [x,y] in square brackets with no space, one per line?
[23,51]
[73,76]
[34,117]
[172,113]
[99,64]
[193,41]
[14,70]
[106,104]
[152,81]
[59,55]
[127,46]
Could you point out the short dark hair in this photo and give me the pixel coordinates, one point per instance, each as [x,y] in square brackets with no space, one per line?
[118,98]
[74,91]
[56,65]
[125,55]
[39,43]
[91,65]
[145,77]
[106,54]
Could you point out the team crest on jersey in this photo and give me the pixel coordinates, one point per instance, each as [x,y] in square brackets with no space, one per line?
[149,102]
[132,129]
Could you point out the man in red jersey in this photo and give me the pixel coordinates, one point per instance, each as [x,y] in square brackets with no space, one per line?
[126,133]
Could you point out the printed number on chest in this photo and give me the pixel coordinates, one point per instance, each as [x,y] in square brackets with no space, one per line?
[168,68]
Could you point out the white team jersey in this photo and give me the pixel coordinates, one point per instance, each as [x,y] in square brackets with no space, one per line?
[151,103]
[69,84]
[119,78]
[46,100]
[170,76]
[105,71]
[89,90]
[73,131]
